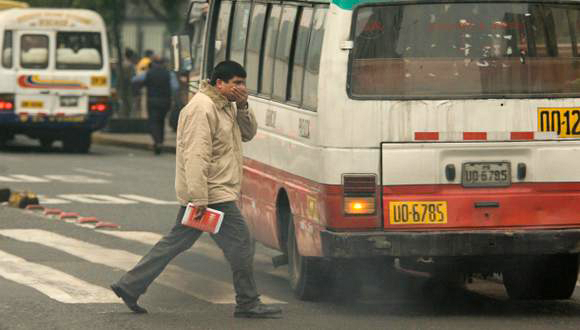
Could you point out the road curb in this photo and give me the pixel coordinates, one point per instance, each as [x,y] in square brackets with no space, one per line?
[103,139]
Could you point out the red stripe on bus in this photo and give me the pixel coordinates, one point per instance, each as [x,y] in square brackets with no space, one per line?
[522,135]
[426,135]
[470,136]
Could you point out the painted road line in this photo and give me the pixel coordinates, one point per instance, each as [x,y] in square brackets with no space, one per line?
[44,200]
[207,249]
[149,200]
[52,177]
[96,199]
[53,283]
[197,285]
[87,171]
[75,179]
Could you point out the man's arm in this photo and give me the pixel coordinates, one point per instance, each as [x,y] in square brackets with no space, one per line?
[247,122]
[197,154]
[245,116]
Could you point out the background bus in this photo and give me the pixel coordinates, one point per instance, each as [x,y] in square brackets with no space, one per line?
[55,76]
[439,134]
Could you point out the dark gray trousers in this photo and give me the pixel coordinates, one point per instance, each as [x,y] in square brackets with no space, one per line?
[233,239]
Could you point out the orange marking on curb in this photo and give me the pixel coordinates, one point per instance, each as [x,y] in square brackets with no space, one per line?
[52,212]
[104,224]
[68,215]
[87,220]
[35,207]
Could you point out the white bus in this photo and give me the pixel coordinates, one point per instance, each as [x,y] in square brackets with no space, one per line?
[441,136]
[55,76]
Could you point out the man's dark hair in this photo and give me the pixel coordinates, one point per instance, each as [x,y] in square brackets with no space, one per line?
[149,53]
[226,70]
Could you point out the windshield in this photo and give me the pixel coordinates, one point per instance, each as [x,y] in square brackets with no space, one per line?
[78,51]
[460,50]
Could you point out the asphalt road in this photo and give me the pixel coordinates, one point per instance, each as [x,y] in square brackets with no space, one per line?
[55,274]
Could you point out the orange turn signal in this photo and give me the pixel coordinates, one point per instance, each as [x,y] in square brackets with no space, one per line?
[359,205]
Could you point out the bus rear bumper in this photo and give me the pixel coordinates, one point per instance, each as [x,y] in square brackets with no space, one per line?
[449,243]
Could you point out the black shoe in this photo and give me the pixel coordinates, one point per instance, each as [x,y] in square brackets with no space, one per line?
[157,149]
[129,300]
[260,311]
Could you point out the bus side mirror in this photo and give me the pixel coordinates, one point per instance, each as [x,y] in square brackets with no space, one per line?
[181,53]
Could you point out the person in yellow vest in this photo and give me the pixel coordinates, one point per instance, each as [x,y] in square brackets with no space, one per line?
[140,99]
[145,62]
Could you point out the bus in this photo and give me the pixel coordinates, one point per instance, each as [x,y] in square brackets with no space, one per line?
[55,76]
[434,136]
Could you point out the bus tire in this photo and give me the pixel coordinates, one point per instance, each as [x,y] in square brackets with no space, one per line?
[545,278]
[77,142]
[305,272]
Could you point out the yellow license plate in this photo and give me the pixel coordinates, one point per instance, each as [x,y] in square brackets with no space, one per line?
[32,104]
[98,81]
[563,121]
[418,213]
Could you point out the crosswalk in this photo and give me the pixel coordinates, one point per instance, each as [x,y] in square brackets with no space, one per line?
[67,288]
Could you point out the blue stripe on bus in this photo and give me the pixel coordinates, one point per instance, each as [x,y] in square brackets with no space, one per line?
[349,4]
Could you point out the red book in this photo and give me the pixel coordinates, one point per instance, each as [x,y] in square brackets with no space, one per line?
[211,221]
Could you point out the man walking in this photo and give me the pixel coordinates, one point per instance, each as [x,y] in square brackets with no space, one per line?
[161,85]
[209,173]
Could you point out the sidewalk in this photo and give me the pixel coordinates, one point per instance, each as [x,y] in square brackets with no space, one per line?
[135,140]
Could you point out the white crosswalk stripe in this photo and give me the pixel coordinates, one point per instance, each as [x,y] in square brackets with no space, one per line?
[57,285]
[201,247]
[195,284]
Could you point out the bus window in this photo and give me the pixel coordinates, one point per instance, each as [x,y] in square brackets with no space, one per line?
[254,46]
[270,50]
[239,32]
[564,32]
[313,60]
[7,50]
[79,51]
[34,51]
[300,55]
[464,50]
[221,37]
[283,52]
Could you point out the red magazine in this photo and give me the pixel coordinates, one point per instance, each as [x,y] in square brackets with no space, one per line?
[210,222]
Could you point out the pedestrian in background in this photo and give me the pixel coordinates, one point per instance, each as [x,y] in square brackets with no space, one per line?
[208,173]
[140,99]
[145,61]
[129,64]
[161,85]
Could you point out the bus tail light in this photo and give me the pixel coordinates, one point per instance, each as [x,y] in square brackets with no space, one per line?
[6,102]
[359,194]
[99,104]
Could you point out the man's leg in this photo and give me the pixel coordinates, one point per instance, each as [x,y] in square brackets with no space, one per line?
[235,241]
[181,238]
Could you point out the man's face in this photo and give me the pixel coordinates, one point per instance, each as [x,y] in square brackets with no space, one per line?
[226,88]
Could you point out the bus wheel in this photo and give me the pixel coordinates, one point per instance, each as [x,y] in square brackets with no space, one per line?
[551,277]
[305,272]
[77,142]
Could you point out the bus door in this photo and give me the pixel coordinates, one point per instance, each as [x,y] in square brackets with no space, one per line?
[35,96]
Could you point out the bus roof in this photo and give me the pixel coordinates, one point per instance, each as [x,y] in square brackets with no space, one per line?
[350,4]
[50,19]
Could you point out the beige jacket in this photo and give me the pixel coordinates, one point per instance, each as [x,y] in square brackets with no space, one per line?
[209,148]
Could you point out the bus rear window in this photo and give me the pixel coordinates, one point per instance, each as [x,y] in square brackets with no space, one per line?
[34,51]
[78,51]
[7,50]
[460,50]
